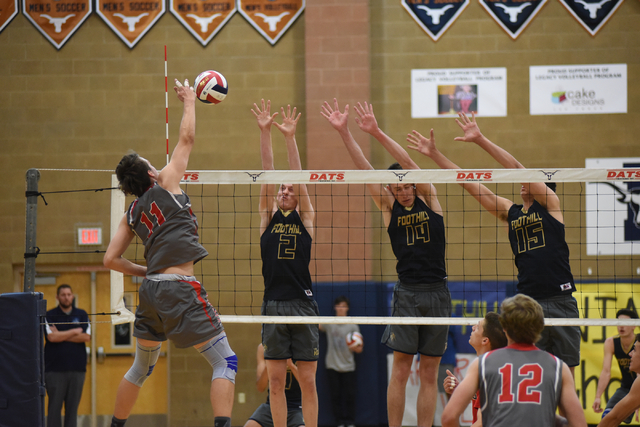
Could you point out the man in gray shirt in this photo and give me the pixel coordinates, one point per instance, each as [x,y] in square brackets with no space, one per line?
[341,365]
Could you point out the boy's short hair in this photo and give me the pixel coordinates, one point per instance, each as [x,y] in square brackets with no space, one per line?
[342,299]
[492,329]
[133,174]
[63,286]
[627,312]
[522,319]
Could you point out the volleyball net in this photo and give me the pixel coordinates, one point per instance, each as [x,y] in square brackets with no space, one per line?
[352,256]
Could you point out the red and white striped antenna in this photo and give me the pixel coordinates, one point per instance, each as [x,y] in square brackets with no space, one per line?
[166,100]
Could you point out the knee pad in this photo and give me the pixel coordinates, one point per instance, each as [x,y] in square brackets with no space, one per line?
[221,358]
[145,361]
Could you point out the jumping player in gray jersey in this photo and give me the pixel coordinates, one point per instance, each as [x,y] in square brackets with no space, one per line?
[173,304]
[286,234]
[537,237]
[413,216]
[519,384]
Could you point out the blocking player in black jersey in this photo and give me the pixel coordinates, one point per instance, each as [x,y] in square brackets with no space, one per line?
[286,233]
[619,346]
[631,402]
[173,304]
[262,416]
[413,216]
[519,384]
[537,237]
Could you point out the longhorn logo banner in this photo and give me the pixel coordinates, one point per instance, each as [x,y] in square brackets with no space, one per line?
[57,20]
[513,15]
[592,15]
[203,18]
[8,11]
[271,18]
[435,16]
[130,19]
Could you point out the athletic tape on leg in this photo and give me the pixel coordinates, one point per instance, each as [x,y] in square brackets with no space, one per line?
[145,361]
[221,358]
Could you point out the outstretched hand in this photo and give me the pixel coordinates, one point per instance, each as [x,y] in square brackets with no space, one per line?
[470,128]
[366,119]
[289,121]
[185,92]
[338,120]
[421,144]
[450,383]
[263,115]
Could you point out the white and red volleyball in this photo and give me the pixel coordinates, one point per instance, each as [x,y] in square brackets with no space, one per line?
[354,339]
[211,87]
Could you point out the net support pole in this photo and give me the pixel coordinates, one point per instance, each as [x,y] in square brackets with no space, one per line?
[30,249]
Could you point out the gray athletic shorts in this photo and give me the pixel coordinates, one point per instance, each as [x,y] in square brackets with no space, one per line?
[297,342]
[432,300]
[561,341]
[175,307]
[262,416]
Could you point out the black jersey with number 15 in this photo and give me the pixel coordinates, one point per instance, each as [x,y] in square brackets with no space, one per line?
[286,253]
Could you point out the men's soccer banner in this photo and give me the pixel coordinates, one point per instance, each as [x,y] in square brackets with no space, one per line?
[613,208]
[130,19]
[271,18]
[446,92]
[57,20]
[578,89]
[203,18]
[8,11]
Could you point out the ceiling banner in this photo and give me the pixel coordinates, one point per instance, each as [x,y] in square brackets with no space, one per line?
[592,15]
[203,18]
[130,19]
[8,11]
[513,15]
[57,20]
[271,18]
[433,16]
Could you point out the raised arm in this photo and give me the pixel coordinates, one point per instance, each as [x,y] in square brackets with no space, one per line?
[340,122]
[367,122]
[605,374]
[288,129]
[498,206]
[170,176]
[540,192]
[267,193]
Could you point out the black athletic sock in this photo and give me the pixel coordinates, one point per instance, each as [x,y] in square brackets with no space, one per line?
[222,422]
[115,422]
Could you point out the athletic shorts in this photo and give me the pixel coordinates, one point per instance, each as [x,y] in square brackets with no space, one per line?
[262,416]
[175,307]
[433,300]
[561,341]
[620,394]
[297,342]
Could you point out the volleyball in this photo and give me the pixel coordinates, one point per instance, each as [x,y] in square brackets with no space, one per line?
[354,339]
[211,87]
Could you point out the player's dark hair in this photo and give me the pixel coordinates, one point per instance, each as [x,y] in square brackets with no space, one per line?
[395,166]
[627,312]
[492,329]
[133,175]
[63,286]
[522,319]
[342,299]
[552,186]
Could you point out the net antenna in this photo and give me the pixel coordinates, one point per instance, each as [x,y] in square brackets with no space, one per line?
[166,100]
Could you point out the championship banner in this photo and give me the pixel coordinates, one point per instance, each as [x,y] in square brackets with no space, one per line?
[513,15]
[592,15]
[8,11]
[578,89]
[205,18]
[613,208]
[57,20]
[434,17]
[271,18]
[130,19]
[600,301]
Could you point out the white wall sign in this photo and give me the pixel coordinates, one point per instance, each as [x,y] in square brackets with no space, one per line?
[613,219]
[578,89]
[447,91]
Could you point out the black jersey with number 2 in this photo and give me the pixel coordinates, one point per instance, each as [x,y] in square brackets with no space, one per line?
[286,253]
[418,242]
